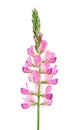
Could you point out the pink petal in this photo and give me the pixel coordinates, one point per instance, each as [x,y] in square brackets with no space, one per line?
[26,69]
[35,76]
[29,61]
[49,55]
[54,70]
[53,81]
[48,77]
[49,71]
[24,91]
[52,60]
[45,66]
[49,102]
[30,99]
[43,46]
[30,51]
[49,96]
[48,89]
[25,105]
[37,60]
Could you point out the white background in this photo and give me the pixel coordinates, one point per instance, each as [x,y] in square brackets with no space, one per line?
[59,27]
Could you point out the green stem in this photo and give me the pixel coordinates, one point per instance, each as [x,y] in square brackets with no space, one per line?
[38,104]
[38,108]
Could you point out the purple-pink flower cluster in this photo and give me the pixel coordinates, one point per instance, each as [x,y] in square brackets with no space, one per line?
[39,64]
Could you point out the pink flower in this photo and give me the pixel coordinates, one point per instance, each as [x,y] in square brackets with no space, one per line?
[33,61]
[54,70]
[48,102]
[29,61]
[43,46]
[53,81]
[50,56]
[49,71]
[47,94]
[45,66]
[29,101]
[26,70]
[37,60]
[26,91]
[25,105]
[48,77]
[48,89]
[34,76]
[30,51]
[52,60]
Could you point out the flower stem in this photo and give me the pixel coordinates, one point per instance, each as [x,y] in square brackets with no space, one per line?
[38,108]
[36,31]
[38,105]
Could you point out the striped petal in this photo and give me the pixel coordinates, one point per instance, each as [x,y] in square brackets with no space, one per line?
[37,60]
[34,76]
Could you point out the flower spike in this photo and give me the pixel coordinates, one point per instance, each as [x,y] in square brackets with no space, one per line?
[40,67]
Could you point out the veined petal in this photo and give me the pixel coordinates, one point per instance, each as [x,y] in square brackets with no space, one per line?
[48,77]
[54,70]
[37,60]
[49,55]
[49,103]
[30,51]
[48,89]
[43,46]
[45,65]
[25,105]
[29,61]
[30,99]
[34,76]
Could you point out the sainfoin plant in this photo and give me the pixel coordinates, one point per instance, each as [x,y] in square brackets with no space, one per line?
[41,68]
